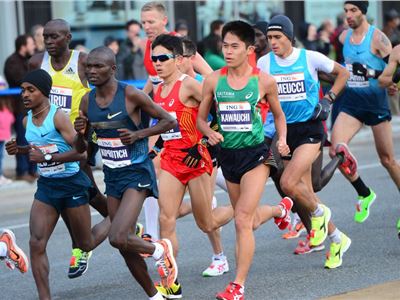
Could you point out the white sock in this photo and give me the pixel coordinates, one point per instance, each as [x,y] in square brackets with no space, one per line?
[219,256]
[296,219]
[157,296]
[220,180]
[158,252]
[335,236]
[151,210]
[3,249]
[319,211]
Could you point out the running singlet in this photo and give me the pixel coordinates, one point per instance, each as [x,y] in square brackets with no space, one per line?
[185,134]
[297,90]
[105,122]
[148,64]
[49,140]
[239,119]
[366,90]
[67,90]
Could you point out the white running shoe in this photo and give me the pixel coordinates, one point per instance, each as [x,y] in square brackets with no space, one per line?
[218,267]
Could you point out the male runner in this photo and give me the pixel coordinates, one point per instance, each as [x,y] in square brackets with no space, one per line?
[113,110]
[296,73]
[237,88]
[67,69]
[185,161]
[363,101]
[61,187]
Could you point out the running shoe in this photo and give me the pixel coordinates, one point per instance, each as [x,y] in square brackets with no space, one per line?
[319,227]
[304,247]
[286,204]
[218,267]
[362,207]
[334,257]
[148,238]
[233,291]
[349,164]
[298,230]
[79,263]
[166,265]
[173,292]
[139,230]
[398,228]
[15,258]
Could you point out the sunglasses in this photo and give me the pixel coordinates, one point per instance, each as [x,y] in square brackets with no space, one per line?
[162,57]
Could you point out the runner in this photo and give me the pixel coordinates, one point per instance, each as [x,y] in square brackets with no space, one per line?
[363,101]
[244,158]
[67,69]
[185,161]
[61,187]
[113,110]
[296,73]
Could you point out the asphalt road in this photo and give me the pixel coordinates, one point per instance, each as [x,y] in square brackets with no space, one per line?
[373,257]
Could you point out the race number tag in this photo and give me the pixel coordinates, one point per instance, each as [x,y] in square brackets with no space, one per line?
[174,133]
[356,81]
[113,153]
[62,97]
[47,168]
[291,87]
[235,116]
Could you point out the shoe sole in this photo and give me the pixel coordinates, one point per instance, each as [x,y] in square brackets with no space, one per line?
[367,215]
[294,236]
[208,275]
[172,258]
[328,218]
[18,249]
[350,154]
[313,249]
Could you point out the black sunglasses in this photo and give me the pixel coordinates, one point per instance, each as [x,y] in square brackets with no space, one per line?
[162,57]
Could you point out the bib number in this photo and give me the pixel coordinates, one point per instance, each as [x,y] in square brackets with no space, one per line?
[62,97]
[235,116]
[114,154]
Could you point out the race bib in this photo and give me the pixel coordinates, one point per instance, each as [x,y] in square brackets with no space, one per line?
[356,81]
[235,116]
[174,133]
[114,154]
[47,168]
[62,97]
[291,87]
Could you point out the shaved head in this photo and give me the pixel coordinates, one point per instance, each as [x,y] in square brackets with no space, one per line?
[104,55]
[59,25]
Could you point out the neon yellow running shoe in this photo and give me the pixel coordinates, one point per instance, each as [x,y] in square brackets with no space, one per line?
[79,263]
[139,230]
[173,292]
[362,207]
[335,254]
[319,227]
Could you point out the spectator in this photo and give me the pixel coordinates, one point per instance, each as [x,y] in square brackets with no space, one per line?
[112,43]
[215,30]
[130,54]
[392,22]
[182,28]
[15,68]
[6,121]
[309,38]
[334,39]
[37,34]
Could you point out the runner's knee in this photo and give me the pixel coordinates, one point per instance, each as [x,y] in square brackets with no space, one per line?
[37,244]
[243,220]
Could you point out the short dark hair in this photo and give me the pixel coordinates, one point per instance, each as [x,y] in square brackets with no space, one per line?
[189,46]
[170,42]
[244,31]
[216,24]
[132,22]
[21,40]
[108,40]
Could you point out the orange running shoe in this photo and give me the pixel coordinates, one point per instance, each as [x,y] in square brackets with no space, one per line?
[14,254]
[298,230]
[166,265]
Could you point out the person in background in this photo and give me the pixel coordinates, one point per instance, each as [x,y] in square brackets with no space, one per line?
[37,34]
[112,43]
[308,36]
[131,53]
[182,28]
[215,29]
[391,27]
[213,52]
[15,68]
[6,121]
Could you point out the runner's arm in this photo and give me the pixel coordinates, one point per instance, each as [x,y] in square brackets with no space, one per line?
[381,44]
[201,66]
[81,126]
[341,75]
[386,78]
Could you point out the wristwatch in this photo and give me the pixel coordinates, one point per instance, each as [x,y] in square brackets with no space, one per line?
[371,73]
[48,157]
[332,95]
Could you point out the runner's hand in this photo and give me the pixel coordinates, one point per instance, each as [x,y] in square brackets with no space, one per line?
[12,147]
[80,123]
[322,110]
[127,136]
[282,147]
[359,69]
[193,156]
[36,155]
[215,138]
